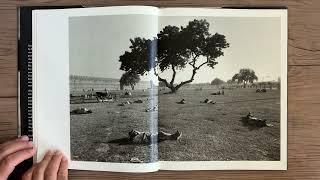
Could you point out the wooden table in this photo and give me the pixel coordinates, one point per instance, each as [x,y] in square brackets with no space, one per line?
[303,86]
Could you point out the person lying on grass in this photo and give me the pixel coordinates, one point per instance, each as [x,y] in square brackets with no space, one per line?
[208,101]
[81,111]
[251,120]
[137,137]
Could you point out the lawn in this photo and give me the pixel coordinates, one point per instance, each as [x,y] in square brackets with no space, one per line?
[209,131]
[214,131]
[101,136]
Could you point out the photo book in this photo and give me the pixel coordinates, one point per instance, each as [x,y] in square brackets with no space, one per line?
[142,89]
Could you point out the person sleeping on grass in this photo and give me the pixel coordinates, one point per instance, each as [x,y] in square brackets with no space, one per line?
[137,137]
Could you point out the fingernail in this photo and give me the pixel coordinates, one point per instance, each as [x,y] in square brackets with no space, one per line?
[64,159]
[24,138]
[30,143]
[57,153]
[49,152]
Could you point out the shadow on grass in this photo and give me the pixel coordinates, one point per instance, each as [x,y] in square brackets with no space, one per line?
[121,141]
[126,141]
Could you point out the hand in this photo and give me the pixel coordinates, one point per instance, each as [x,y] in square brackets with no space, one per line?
[13,153]
[54,166]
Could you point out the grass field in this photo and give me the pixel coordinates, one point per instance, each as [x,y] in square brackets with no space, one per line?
[214,131]
[209,131]
[102,135]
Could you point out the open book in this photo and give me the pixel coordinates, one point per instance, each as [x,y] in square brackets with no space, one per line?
[138,89]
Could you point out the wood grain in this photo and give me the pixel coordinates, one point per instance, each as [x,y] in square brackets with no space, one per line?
[303,86]
[8,118]
[8,53]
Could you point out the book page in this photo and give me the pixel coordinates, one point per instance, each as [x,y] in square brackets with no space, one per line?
[222,89]
[92,100]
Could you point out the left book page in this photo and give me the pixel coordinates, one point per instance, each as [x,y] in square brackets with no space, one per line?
[86,102]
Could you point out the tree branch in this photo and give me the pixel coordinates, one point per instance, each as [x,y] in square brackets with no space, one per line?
[165,81]
[201,65]
[155,72]
[161,79]
[188,81]
[173,75]
[193,62]
[194,71]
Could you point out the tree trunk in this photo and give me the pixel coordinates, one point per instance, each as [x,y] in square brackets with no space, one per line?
[174,73]
[173,89]
[132,87]
[171,86]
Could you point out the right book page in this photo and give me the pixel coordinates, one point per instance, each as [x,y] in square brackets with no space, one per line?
[222,89]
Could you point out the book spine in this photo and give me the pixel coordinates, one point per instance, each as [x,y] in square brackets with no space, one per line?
[25,70]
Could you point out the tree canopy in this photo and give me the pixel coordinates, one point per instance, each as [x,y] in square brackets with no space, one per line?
[217,82]
[174,49]
[245,76]
[129,79]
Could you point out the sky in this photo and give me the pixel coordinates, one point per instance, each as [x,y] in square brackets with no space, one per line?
[96,42]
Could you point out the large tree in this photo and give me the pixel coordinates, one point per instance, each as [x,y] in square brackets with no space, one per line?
[217,82]
[174,49]
[245,76]
[129,79]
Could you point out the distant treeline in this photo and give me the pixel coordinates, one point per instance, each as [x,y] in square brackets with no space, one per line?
[86,83]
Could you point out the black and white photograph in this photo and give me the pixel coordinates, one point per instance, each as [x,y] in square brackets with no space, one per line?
[175,88]
[113,112]
[219,86]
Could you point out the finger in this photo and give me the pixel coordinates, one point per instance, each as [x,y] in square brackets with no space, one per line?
[53,167]
[63,169]
[8,163]
[28,174]
[14,147]
[38,172]
[21,138]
